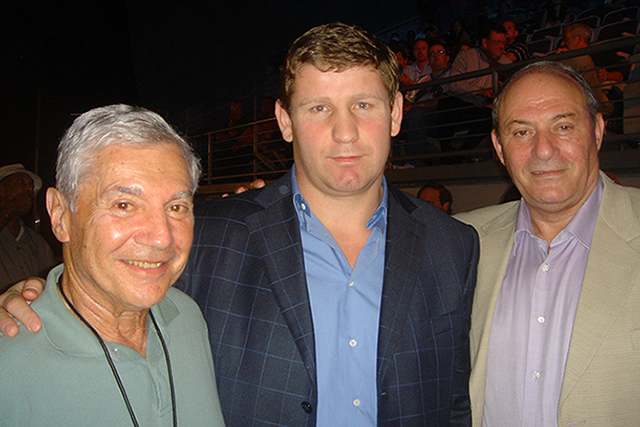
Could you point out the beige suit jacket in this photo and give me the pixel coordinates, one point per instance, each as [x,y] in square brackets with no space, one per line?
[601,385]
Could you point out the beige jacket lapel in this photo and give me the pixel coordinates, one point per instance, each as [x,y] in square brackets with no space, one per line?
[495,226]
[612,270]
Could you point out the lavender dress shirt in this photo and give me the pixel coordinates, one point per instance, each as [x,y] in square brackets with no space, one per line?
[534,315]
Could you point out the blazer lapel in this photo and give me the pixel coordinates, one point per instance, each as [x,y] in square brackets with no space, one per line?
[277,237]
[612,269]
[399,273]
[496,242]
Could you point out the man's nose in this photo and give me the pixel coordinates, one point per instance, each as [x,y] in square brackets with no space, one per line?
[345,128]
[155,230]
[544,146]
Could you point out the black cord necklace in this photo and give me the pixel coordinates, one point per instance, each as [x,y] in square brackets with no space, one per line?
[113,366]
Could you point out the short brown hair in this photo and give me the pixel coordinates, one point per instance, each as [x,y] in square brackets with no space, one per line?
[338,47]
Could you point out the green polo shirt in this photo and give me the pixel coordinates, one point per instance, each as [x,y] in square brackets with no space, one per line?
[60,375]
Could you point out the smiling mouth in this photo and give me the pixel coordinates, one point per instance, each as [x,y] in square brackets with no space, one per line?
[547,172]
[144,264]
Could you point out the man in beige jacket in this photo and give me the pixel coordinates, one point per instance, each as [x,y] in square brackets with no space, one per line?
[555,336]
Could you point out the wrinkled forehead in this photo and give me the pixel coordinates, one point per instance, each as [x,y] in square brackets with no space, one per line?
[542,84]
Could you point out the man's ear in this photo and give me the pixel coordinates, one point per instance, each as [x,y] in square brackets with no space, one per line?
[497,146]
[59,213]
[284,121]
[446,206]
[599,128]
[396,114]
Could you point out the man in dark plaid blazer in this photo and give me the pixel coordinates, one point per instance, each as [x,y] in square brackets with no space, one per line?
[248,267]
[256,272]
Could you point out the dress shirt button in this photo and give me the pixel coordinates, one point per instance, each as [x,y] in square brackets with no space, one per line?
[351,284]
[356,402]
[545,267]
[306,407]
[303,206]
[541,320]
[353,342]
[536,375]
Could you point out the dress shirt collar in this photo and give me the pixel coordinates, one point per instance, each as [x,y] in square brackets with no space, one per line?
[378,219]
[581,225]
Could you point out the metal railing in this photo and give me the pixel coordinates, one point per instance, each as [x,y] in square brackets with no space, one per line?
[459,134]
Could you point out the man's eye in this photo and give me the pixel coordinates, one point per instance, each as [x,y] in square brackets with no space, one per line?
[319,109]
[179,210]
[363,105]
[521,133]
[123,206]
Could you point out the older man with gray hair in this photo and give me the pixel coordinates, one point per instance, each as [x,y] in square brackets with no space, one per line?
[555,320]
[578,36]
[118,346]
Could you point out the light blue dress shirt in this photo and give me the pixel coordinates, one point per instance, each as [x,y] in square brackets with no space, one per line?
[345,307]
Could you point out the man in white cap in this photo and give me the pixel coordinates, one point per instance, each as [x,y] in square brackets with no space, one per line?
[23,252]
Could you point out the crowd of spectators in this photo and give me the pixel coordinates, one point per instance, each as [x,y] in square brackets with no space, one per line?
[456,116]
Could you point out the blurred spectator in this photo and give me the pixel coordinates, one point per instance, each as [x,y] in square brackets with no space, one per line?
[481,17]
[437,195]
[439,64]
[420,109]
[515,51]
[502,14]
[578,36]
[23,252]
[458,38]
[473,96]
[402,53]
[490,54]
[412,73]
[555,14]
[432,33]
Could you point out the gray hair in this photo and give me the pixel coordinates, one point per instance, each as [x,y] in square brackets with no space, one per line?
[549,68]
[581,30]
[114,125]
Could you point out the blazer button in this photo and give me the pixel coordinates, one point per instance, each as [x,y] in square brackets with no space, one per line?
[306,407]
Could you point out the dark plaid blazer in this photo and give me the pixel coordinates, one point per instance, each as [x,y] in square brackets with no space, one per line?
[246,271]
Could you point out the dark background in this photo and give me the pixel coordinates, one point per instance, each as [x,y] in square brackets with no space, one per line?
[61,59]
